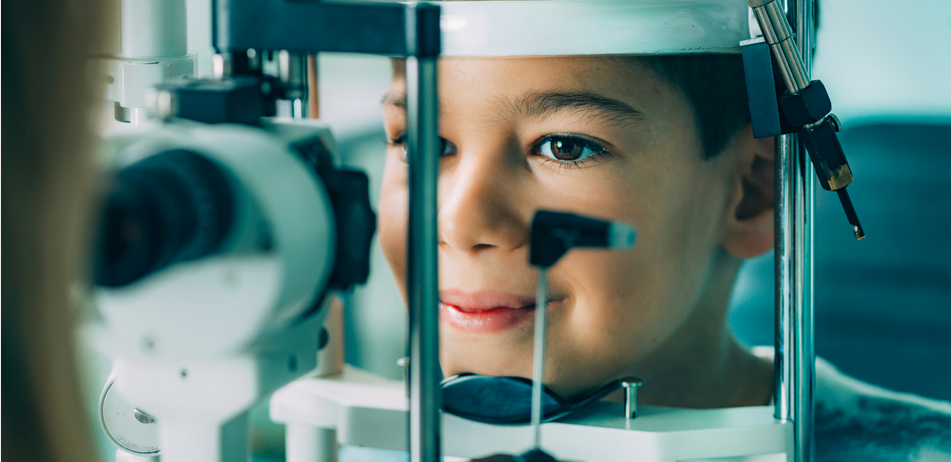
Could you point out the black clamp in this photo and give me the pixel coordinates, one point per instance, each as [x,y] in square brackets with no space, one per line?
[775,111]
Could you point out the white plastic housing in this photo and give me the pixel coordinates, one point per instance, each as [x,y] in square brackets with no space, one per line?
[224,304]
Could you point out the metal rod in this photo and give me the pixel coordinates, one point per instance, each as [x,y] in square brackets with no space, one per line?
[785,281]
[782,43]
[798,366]
[292,71]
[422,135]
[795,199]
[422,283]
[538,362]
[805,329]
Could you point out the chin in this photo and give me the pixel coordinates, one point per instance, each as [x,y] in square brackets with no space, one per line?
[484,356]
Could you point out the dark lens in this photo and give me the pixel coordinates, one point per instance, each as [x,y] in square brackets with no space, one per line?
[171,207]
[497,400]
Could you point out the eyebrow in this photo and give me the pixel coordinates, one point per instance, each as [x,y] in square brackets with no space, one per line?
[583,103]
[544,104]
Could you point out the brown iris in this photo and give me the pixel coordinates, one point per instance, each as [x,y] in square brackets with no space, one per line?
[567,148]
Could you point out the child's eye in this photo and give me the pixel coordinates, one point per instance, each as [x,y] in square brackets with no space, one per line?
[568,148]
[448,147]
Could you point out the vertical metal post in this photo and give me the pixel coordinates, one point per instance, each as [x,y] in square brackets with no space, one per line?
[785,279]
[795,199]
[538,363]
[805,328]
[422,138]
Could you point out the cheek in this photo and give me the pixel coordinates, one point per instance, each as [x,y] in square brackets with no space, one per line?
[393,211]
[629,302]
[620,312]
[626,304]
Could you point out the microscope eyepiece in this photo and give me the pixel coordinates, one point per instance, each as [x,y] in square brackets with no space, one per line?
[170,207]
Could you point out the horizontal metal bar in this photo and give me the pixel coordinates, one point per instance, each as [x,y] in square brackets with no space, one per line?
[310,26]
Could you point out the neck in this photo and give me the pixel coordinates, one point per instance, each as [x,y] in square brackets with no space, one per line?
[703,365]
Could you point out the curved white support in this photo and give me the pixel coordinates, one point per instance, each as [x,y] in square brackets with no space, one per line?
[369,411]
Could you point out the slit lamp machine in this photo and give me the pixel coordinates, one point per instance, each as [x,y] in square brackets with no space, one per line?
[228,226]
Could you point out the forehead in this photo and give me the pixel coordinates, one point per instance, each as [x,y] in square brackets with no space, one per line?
[566,71]
[500,84]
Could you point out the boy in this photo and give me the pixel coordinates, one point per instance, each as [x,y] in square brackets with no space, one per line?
[663,143]
[610,137]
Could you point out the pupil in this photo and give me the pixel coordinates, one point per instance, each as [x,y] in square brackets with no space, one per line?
[566,149]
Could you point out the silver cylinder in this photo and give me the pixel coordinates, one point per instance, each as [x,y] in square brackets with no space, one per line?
[779,36]
[422,282]
[795,199]
[222,65]
[538,362]
[630,385]
[292,71]
[785,276]
[794,76]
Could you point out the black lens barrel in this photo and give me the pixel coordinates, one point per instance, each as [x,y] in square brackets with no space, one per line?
[170,207]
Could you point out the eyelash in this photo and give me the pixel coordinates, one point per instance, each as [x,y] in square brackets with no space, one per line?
[600,152]
[401,139]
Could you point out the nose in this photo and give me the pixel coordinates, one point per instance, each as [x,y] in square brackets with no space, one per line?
[482,205]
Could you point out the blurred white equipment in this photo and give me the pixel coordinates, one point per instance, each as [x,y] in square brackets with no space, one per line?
[219,248]
[149,48]
[198,339]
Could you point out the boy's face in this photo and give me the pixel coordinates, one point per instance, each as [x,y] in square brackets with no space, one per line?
[603,137]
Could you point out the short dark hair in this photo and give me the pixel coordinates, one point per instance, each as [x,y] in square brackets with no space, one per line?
[716,88]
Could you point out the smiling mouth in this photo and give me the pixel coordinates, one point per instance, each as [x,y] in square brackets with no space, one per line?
[485,300]
[484,321]
[484,313]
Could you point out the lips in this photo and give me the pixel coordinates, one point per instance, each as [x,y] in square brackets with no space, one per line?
[485,300]
[485,312]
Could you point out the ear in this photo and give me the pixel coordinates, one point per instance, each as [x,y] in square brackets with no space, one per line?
[748,230]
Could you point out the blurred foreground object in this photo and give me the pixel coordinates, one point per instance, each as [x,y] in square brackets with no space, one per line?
[47,201]
[217,249]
